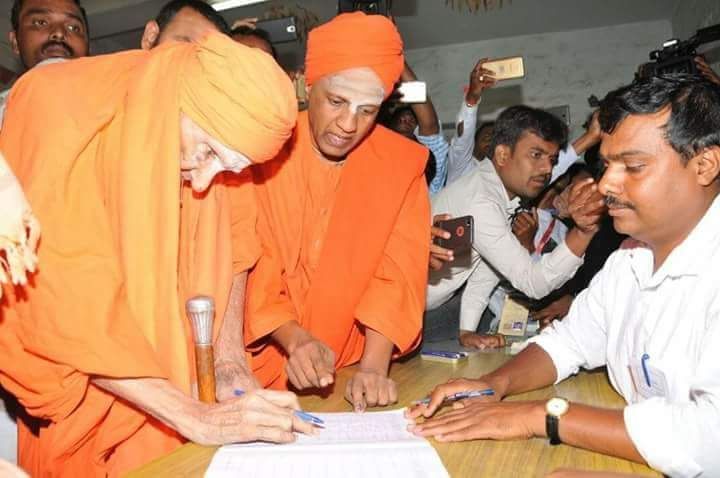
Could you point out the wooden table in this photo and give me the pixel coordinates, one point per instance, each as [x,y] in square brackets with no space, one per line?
[415,377]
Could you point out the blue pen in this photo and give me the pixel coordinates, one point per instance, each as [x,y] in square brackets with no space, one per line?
[488,392]
[643,363]
[306,417]
[442,353]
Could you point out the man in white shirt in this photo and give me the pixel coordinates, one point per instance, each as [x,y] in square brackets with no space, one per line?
[470,142]
[525,148]
[652,314]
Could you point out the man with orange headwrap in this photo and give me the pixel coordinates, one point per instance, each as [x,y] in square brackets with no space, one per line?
[344,221]
[96,347]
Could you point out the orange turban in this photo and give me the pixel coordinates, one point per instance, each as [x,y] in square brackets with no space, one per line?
[354,40]
[239,96]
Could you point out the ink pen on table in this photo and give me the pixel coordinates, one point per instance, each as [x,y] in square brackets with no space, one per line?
[488,392]
[304,416]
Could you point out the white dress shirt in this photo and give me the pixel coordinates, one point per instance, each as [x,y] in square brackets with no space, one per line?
[496,252]
[557,234]
[673,316]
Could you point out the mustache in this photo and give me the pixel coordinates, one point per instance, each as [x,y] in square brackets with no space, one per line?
[61,44]
[613,202]
[545,178]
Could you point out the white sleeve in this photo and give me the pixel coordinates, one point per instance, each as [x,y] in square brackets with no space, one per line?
[566,158]
[460,155]
[580,339]
[503,256]
[682,438]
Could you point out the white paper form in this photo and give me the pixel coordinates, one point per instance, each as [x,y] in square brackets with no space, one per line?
[371,444]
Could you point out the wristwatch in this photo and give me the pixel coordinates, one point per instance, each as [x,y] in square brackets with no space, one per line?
[555,408]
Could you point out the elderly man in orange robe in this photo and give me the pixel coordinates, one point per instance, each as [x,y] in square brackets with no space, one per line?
[131,184]
[344,221]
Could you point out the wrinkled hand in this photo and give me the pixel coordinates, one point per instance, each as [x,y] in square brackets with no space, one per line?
[525,226]
[482,420]
[310,364]
[706,71]
[480,80]
[439,255]
[370,388]
[556,310]
[245,22]
[441,392]
[231,375]
[264,415]
[477,341]
[586,206]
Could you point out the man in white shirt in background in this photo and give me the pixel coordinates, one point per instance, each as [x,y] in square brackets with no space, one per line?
[468,140]
[652,314]
[525,148]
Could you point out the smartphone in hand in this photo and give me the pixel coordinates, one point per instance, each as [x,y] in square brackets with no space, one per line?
[506,68]
[461,234]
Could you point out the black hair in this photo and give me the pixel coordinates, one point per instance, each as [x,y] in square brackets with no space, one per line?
[517,120]
[694,104]
[246,31]
[17,6]
[430,168]
[170,9]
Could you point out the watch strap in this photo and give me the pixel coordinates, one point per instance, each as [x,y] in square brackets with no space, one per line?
[552,429]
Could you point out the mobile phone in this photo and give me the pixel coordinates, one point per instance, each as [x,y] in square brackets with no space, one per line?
[506,68]
[412,92]
[280,30]
[461,234]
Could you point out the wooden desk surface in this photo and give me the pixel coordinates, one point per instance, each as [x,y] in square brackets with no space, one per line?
[415,377]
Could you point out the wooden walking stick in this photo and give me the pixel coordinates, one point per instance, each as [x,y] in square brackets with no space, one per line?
[201,311]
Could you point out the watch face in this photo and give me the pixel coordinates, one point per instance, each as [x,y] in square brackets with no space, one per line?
[557,406]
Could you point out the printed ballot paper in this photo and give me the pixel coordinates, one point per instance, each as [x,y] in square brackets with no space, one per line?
[351,445]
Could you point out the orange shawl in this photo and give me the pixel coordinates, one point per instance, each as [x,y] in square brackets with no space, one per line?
[95,145]
[373,266]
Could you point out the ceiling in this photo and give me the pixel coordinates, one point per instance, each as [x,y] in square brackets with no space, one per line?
[117,24]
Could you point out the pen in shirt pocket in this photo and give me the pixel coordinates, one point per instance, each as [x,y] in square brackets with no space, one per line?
[304,416]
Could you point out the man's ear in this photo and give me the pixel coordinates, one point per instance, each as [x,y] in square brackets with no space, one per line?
[12,39]
[501,155]
[150,35]
[708,165]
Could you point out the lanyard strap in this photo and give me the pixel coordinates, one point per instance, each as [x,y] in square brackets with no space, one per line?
[546,237]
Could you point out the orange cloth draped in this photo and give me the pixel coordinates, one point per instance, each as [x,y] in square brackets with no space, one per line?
[353,40]
[371,270]
[95,144]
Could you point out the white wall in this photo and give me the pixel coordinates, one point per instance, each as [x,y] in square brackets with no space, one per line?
[561,68]
[689,16]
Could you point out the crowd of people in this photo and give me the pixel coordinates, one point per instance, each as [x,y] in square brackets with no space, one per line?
[135,181]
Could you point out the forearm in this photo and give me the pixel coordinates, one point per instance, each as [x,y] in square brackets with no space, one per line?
[156,397]
[377,353]
[287,335]
[596,429]
[531,369]
[230,343]
[578,241]
[585,142]
[424,112]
